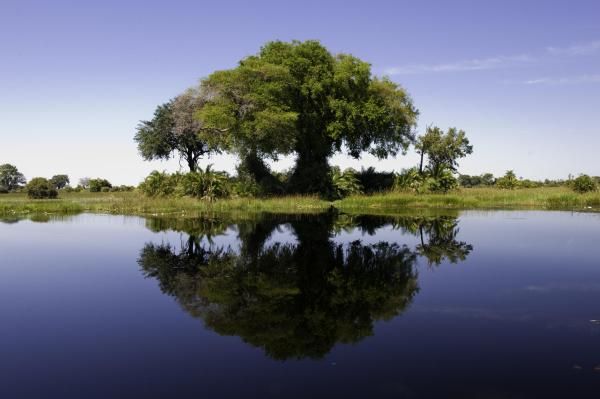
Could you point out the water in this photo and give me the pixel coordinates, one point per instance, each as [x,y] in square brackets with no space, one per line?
[481,304]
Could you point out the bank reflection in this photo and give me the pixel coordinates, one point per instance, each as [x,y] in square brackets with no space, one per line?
[297,300]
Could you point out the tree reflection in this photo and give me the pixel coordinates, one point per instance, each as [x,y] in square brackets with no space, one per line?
[299,299]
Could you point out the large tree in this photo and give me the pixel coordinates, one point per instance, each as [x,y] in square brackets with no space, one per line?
[298,98]
[174,130]
[10,177]
[443,150]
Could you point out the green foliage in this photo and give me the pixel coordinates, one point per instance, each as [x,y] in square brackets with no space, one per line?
[98,185]
[174,129]
[408,180]
[204,184]
[584,184]
[40,188]
[526,183]
[299,98]
[372,181]
[159,184]
[60,181]
[443,182]
[443,149]
[344,183]
[10,177]
[486,179]
[254,178]
[508,181]
[440,180]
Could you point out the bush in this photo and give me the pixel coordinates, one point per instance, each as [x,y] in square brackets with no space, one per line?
[344,183]
[584,184]
[443,183]
[3,190]
[39,188]
[486,179]
[97,185]
[105,189]
[372,181]
[207,185]
[159,184]
[508,181]
[408,180]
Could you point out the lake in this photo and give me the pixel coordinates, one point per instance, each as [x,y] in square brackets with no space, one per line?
[500,304]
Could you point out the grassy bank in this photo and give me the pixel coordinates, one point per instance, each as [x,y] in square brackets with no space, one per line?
[549,198]
[133,203]
[545,198]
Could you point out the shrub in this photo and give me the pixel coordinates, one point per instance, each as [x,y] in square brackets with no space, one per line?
[408,180]
[96,185]
[486,179]
[583,184]
[105,189]
[159,184]
[508,181]
[344,183]
[207,185]
[372,181]
[3,190]
[443,183]
[39,188]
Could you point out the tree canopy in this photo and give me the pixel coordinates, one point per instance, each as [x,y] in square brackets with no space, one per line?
[10,177]
[442,149]
[298,98]
[174,129]
[60,181]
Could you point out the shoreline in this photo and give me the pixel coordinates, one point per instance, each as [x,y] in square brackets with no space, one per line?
[134,203]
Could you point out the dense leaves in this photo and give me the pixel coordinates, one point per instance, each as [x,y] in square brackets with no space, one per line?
[584,184]
[41,188]
[174,130]
[10,177]
[60,181]
[442,149]
[299,98]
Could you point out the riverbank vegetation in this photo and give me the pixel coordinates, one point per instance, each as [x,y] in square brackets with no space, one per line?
[295,99]
[136,203]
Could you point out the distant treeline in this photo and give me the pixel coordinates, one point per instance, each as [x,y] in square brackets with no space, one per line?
[509,180]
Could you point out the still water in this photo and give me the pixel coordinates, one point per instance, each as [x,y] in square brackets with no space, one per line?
[476,304]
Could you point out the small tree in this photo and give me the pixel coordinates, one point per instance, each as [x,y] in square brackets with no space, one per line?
[84,183]
[60,181]
[174,129]
[10,177]
[39,188]
[442,149]
[584,184]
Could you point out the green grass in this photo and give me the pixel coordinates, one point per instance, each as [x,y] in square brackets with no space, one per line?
[133,203]
[545,198]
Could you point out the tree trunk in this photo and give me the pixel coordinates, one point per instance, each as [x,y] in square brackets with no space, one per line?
[421,164]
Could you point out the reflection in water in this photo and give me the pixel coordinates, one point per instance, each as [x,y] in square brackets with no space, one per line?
[299,299]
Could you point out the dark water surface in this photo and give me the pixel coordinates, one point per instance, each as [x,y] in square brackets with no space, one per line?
[481,304]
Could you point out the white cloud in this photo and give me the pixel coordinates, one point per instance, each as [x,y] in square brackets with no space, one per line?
[577,49]
[464,65]
[564,80]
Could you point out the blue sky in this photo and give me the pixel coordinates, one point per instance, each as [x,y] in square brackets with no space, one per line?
[521,77]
